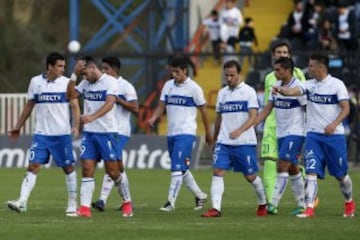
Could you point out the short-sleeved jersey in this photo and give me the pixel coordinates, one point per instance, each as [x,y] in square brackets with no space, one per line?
[181,102]
[52,111]
[214,28]
[127,92]
[270,80]
[94,95]
[323,99]
[289,111]
[232,20]
[234,105]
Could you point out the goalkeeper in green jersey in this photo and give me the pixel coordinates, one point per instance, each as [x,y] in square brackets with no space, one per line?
[269,147]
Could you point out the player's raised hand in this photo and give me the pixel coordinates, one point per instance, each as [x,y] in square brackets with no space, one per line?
[79,67]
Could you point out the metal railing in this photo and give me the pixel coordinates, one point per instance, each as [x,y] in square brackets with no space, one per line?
[11,106]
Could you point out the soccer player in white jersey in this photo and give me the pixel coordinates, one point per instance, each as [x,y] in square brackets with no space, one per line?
[100,134]
[325,145]
[182,97]
[126,103]
[235,137]
[290,131]
[47,96]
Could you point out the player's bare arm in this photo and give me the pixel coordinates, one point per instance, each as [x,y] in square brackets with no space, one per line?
[249,123]
[264,113]
[75,110]
[108,105]
[295,91]
[15,131]
[217,125]
[132,106]
[345,110]
[205,119]
[157,113]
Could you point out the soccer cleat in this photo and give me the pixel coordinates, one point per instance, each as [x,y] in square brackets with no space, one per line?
[17,205]
[271,209]
[308,213]
[349,209]
[261,210]
[167,207]
[211,213]
[84,211]
[71,211]
[126,209]
[99,205]
[297,211]
[200,202]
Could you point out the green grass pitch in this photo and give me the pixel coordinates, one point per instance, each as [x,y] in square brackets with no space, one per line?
[45,218]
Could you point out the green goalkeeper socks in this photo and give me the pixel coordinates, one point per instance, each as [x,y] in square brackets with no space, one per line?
[269,178]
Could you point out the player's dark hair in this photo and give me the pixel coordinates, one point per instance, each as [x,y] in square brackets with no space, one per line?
[214,13]
[248,20]
[280,43]
[321,58]
[233,63]
[88,60]
[286,63]
[180,62]
[52,58]
[113,62]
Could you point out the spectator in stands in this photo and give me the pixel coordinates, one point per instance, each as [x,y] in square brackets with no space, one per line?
[298,25]
[213,25]
[316,18]
[247,38]
[230,20]
[327,41]
[345,27]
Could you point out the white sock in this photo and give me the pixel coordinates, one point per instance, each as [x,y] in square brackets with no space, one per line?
[298,189]
[27,186]
[346,188]
[191,184]
[217,190]
[280,187]
[106,187]
[117,183]
[259,190]
[71,184]
[175,186]
[86,191]
[311,190]
[125,188]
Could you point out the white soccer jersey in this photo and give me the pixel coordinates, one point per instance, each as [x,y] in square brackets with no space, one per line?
[52,111]
[230,22]
[127,92]
[94,95]
[234,105]
[214,28]
[289,111]
[181,102]
[323,99]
